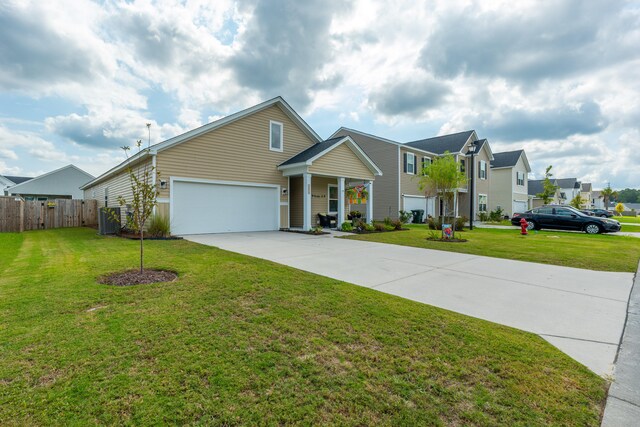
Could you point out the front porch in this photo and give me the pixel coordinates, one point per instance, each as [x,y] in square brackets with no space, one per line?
[326,195]
[319,178]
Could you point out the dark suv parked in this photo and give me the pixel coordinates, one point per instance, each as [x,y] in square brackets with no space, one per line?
[601,213]
[560,217]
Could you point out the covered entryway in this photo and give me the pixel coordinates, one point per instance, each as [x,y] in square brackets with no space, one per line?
[201,206]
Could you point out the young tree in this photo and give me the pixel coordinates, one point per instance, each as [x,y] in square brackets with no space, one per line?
[619,209]
[443,177]
[607,195]
[577,202]
[548,188]
[143,200]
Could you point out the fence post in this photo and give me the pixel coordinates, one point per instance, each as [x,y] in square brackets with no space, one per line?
[21,204]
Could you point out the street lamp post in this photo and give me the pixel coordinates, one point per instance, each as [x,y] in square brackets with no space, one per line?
[472,150]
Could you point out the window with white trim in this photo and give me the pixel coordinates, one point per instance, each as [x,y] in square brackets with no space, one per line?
[410,163]
[333,199]
[482,169]
[275,136]
[482,202]
[463,166]
[520,178]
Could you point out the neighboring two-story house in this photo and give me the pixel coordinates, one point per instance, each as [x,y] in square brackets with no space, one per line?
[586,193]
[465,146]
[397,189]
[509,182]
[260,169]
[535,187]
[568,188]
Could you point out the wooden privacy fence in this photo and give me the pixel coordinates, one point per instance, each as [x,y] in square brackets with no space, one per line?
[17,215]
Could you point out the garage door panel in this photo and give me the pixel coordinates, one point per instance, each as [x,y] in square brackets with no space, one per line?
[519,206]
[222,208]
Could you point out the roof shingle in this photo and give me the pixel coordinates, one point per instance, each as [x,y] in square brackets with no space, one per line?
[452,143]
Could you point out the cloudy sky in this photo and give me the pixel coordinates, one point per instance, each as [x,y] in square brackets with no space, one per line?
[78,79]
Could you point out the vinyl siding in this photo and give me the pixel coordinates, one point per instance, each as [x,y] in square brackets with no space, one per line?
[238,151]
[501,189]
[409,184]
[385,187]
[342,162]
[118,185]
[295,202]
[320,196]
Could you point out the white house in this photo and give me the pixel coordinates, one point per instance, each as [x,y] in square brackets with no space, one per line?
[7,181]
[569,188]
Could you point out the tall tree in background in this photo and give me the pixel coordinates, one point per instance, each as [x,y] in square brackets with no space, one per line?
[443,177]
[607,195]
[548,188]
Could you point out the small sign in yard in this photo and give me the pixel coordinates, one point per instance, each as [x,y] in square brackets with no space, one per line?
[447,231]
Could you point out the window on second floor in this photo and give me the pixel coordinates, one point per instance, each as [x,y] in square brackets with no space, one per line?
[482,169]
[520,178]
[463,166]
[410,163]
[426,161]
[275,136]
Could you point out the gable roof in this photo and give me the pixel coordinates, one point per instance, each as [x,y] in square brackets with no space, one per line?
[379,138]
[536,186]
[586,187]
[453,143]
[568,183]
[307,156]
[17,179]
[506,159]
[154,149]
[29,184]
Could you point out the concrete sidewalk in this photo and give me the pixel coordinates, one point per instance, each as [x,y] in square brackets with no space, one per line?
[582,312]
[623,403]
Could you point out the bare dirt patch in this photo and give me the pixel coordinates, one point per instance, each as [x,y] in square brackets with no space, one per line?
[135,277]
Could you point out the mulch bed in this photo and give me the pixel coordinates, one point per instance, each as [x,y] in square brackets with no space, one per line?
[133,236]
[135,277]
[447,240]
[310,233]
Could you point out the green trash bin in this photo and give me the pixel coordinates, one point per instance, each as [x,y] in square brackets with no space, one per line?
[418,214]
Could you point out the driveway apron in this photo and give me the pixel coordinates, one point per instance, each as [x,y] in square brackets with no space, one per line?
[581,312]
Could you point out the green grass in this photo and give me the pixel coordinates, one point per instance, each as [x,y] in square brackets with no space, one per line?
[567,249]
[242,341]
[627,219]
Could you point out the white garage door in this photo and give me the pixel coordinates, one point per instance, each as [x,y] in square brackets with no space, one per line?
[199,207]
[519,207]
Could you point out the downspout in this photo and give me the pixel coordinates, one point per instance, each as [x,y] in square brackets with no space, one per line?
[155,176]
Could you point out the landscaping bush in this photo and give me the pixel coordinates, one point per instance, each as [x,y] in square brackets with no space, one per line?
[387,221]
[347,226]
[460,222]
[405,216]
[397,224]
[359,224]
[389,227]
[433,223]
[496,215]
[369,227]
[483,216]
[379,226]
[159,226]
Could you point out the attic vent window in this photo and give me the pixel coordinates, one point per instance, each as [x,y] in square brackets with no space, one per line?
[275,136]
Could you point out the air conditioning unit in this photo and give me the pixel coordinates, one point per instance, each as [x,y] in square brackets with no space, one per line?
[107,222]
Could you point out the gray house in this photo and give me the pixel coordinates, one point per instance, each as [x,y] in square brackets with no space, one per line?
[63,183]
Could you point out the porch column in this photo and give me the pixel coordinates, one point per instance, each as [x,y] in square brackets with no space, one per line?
[306,201]
[341,201]
[370,202]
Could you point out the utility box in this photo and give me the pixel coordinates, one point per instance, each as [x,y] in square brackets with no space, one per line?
[107,222]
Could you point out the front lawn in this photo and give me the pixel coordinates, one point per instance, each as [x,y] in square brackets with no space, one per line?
[627,219]
[599,252]
[242,341]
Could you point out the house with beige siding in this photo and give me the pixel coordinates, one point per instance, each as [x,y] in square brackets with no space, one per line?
[260,169]
[509,182]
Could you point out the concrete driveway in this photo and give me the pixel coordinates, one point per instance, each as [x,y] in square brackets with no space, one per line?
[581,312]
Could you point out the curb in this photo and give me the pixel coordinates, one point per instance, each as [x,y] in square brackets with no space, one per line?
[623,402]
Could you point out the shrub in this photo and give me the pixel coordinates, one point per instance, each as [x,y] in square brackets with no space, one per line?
[379,226]
[483,216]
[359,224]
[369,227]
[387,221]
[397,224]
[159,226]
[433,223]
[434,235]
[405,216]
[460,222]
[347,226]
[317,230]
[389,227]
[496,215]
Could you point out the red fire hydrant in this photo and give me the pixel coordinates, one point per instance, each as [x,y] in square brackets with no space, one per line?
[523,226]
